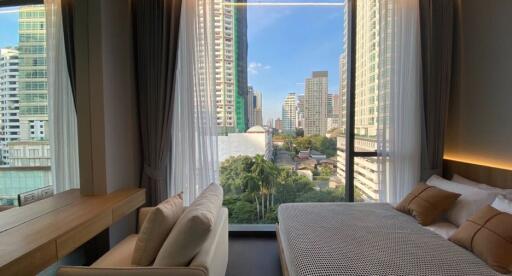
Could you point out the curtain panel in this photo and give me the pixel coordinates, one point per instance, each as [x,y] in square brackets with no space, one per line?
[68,10]
[194,129]
[61,109]
[399,123]
[436,21]
[156,28]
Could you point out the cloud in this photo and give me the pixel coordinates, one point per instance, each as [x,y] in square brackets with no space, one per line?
[256,67]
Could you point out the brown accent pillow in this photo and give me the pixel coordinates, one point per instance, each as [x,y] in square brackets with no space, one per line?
[427,203]
[155,230]
[488,234]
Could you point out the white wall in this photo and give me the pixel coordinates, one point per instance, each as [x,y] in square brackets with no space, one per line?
[249,144]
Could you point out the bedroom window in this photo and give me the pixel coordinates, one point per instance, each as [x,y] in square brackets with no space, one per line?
[284,99]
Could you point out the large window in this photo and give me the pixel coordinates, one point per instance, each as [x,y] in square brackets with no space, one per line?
[278,78]
[25,161]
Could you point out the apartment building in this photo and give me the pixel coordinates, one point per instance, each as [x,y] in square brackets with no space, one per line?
[289,114]
[9,101]
[32,80]
[315,104]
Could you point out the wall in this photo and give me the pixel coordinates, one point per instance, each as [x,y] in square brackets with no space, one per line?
[480,111]
[109,135]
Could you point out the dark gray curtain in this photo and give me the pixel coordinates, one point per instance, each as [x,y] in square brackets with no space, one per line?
[436,22]
[156,27]
[69,42]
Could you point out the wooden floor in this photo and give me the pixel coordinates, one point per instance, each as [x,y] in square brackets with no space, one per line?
[256,256]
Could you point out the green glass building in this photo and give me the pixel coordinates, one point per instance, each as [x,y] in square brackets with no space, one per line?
[32,78]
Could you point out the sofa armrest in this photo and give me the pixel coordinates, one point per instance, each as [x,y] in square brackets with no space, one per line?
[143,214]
[130,271]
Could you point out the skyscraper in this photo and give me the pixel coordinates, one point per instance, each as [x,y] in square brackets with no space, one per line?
[315,104]
[343,87]
[250,106]
[258,109]
[9,101]
[370,75]
[300,112]
[289,114]
[229,28]
[330,105]
[33,87]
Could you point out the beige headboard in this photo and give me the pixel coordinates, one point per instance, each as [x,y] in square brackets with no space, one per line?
[496,177]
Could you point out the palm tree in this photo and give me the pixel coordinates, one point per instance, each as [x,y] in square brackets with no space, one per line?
[250,184]
[261,169]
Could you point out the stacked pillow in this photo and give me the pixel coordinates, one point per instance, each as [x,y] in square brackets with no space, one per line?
[472,199]
[191,230]
[483,214]
[155,229]
[488,234]
[427,203]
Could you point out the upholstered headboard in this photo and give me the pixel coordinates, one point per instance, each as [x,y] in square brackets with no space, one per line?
[497,177]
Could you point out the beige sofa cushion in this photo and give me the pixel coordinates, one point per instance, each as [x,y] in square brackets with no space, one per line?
[192,229]
[120,255]
[155,230]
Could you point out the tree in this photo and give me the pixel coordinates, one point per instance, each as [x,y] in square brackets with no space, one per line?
[299,132]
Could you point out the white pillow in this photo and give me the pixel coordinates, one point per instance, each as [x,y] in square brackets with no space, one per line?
[442,228]
[471,200]
[462,180]
[502,204]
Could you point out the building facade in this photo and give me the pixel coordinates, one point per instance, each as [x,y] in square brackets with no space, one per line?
[371,76]
[289,114]
[258,109]
[229,32]
[257,140]
[9,101]
[32,78]
[315,104]
[250,107]
[278,124]
[300,112]
[29,154]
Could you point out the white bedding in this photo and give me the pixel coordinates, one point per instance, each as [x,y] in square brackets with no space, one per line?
[442,228]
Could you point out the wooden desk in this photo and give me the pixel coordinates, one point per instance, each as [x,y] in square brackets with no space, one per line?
[49,234]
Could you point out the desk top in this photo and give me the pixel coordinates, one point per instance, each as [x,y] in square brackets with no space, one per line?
[33,237]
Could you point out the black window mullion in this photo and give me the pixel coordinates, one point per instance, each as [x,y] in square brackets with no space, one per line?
[350,102]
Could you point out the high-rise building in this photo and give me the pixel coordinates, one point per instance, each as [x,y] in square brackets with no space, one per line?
[278,124]
[370,73]
[315,104]
[9,101]
[289,114]
[32,80]
[330,105]
[229,28]
[336,105]
[343,87]
[258,109]
[300,112]
[251,104]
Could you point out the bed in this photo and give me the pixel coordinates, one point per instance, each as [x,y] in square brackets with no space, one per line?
[365,239]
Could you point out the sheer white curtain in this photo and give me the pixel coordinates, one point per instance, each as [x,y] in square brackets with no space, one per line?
[61,109]
[194,157]
[399,139]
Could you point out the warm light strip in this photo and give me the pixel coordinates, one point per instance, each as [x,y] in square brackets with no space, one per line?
[9,11]
[480,163]
[284,4]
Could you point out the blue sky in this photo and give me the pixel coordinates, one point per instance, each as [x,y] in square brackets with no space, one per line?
[8,27]
[286,44]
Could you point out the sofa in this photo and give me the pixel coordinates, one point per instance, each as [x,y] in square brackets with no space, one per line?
[211,260]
